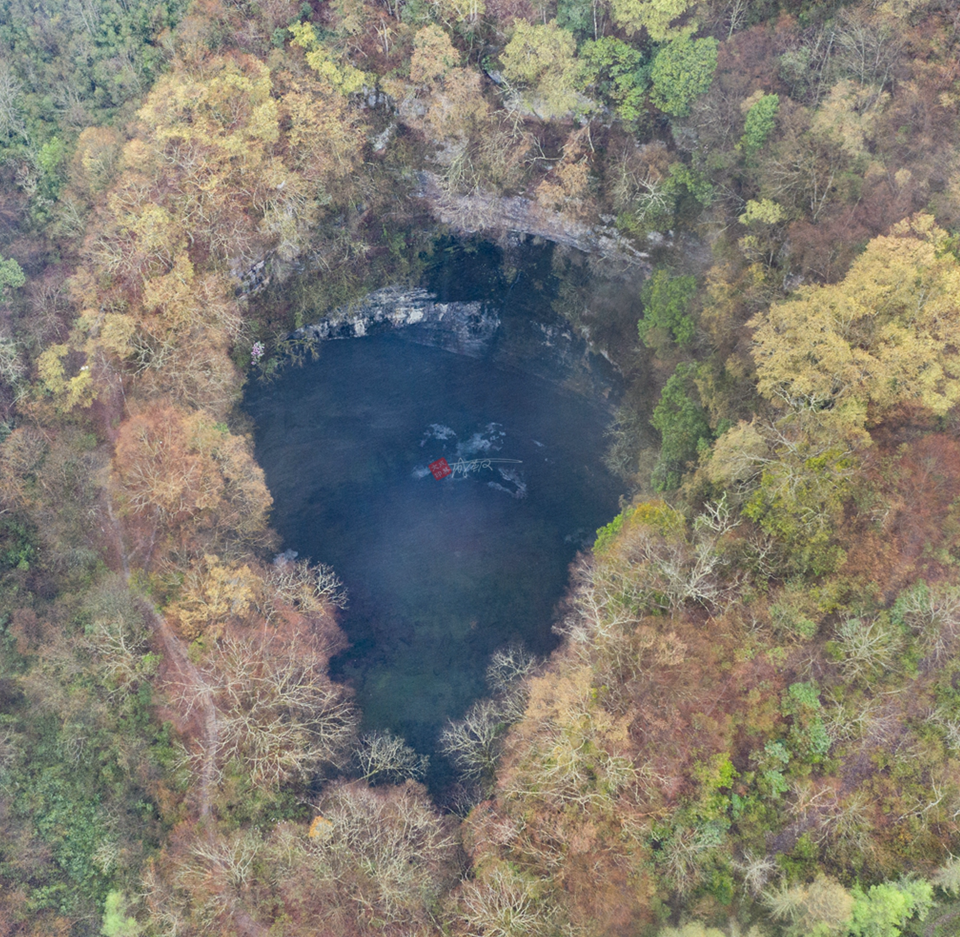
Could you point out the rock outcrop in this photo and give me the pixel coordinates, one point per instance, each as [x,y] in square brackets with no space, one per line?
[464,328]
[489,213]
[545,347]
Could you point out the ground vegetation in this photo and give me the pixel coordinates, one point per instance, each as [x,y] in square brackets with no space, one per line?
[751,725]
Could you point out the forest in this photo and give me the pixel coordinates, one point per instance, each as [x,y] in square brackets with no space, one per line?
[751,727]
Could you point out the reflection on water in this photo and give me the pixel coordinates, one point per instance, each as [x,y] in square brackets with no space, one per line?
[439,573]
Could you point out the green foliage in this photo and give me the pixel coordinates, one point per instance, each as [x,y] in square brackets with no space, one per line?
[85,744]
[717,773]
[682,424]
[683,178]
[659,516]
[883,910]
[808,735]
[541,58]
[759,123]
[115,921]
[656,17]
[576,16]
[800,502]
[616,70]
[17,546]
[666,310]
[536,50]
[802,698]
[683,70]
[76,64]
[607,534]
[771,764]
[791,614]
[11,277]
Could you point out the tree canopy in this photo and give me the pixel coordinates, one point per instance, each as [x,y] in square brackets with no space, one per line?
[888,333]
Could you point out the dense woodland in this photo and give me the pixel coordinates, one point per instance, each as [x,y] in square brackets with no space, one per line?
[752,725]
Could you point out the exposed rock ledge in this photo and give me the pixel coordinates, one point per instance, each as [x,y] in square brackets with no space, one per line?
[547,349]
[486,212]
[464,328]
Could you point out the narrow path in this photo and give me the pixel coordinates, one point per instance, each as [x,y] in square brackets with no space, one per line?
[192,681]
[932,928]
[198,691]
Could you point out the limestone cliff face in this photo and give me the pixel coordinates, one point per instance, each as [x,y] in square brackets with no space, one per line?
[546,346]
[485,212]
[463,328]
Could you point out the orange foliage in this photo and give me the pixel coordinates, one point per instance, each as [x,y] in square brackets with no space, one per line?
[195,482]
[915,516]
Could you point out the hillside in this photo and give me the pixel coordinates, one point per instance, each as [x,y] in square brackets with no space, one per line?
[751,725]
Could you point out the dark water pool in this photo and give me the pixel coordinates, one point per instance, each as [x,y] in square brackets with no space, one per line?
[439,573]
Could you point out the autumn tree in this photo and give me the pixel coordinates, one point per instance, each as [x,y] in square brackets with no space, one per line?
[215,594]
[95,160]
[184,481]
[658,18]
[475,148]
[885,335]
[220,126]
[541,58]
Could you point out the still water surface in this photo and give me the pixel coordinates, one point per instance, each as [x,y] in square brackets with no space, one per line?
[439,573]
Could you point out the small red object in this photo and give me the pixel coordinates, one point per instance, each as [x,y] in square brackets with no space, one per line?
[440,469]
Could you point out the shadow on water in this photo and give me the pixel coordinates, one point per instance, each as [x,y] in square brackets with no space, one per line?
[440,573]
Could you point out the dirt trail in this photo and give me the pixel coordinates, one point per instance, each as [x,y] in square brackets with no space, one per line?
[197,692]
[194,687]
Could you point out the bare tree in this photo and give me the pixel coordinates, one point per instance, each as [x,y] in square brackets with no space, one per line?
[281,718]
[383,757]
[308,588]
[475,742]
[503,903]
[868,647]
[376,858]
[867,47]
[11,120]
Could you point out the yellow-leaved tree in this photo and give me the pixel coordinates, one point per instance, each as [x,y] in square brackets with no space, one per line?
[542,58]
[658,17]
[887,334]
